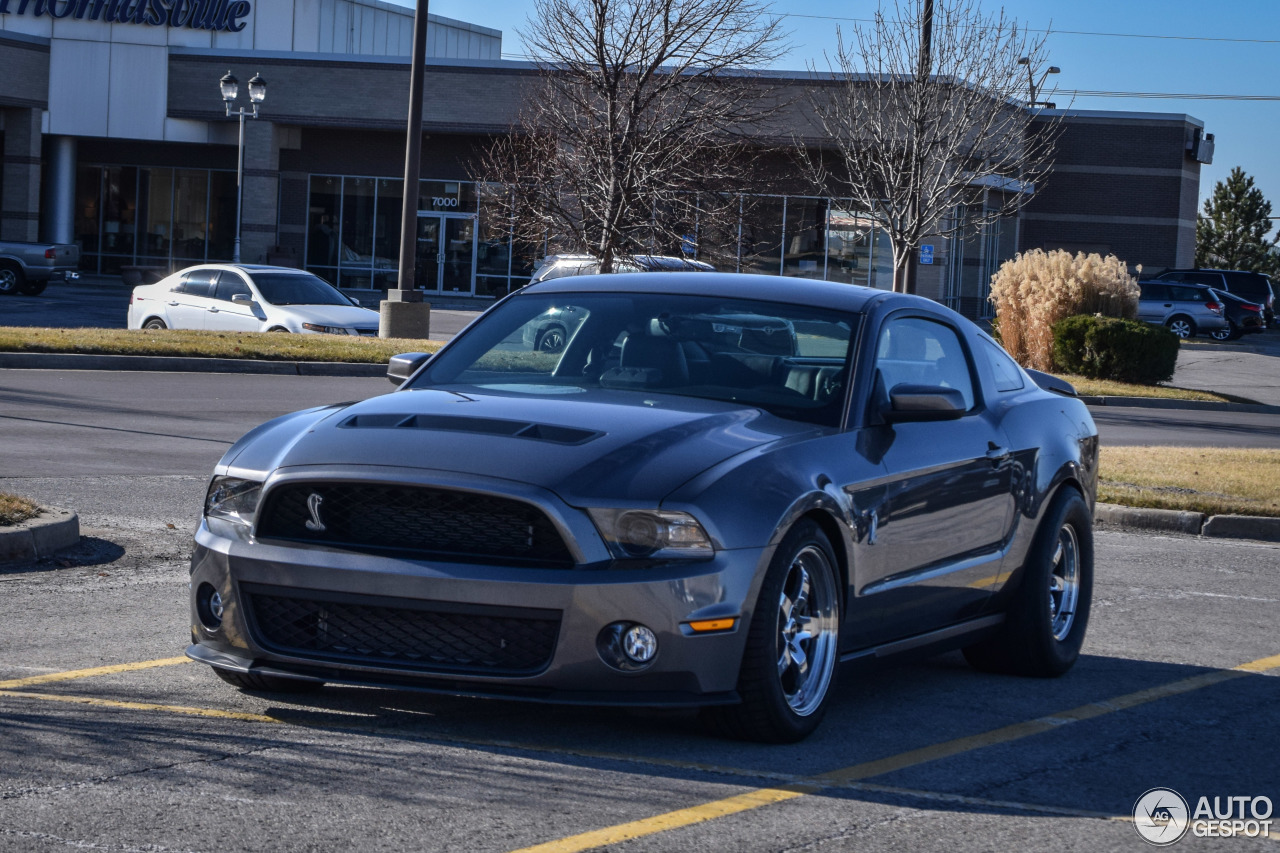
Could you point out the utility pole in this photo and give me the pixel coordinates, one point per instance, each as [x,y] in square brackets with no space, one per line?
[403,313]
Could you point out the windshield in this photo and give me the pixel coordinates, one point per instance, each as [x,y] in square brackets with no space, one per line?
[297,289]
[789,360]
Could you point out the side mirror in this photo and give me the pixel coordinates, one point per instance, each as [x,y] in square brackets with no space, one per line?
[242,299]
[404,365]
[923,403]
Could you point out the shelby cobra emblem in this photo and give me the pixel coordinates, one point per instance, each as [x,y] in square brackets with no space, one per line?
[313,506]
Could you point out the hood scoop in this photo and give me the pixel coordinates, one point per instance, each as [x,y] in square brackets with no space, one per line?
[482,426]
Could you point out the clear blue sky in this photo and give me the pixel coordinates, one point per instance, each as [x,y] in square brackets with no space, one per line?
[1185,62]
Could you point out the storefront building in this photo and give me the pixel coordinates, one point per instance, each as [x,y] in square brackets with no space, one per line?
[115,137]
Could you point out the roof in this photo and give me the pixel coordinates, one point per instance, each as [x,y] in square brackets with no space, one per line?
[764,288]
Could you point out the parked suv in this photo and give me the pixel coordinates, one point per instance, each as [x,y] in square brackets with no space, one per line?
[1185,308]
[1253,286]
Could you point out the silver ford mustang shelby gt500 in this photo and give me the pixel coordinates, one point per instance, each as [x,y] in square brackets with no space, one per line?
[717,490]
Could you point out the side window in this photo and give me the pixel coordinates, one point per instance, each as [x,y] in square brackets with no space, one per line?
[229,284]
[1188,294]
[1008,375]
[199,283]
[916,351]
[1153,291]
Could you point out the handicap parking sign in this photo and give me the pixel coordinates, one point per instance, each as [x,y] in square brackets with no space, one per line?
[926,254]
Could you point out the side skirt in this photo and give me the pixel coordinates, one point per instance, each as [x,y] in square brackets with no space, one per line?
[940,640]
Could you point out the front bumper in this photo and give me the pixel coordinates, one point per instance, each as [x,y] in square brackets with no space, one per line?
[688,670]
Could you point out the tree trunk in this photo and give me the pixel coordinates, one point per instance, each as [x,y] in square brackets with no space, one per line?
[901,269]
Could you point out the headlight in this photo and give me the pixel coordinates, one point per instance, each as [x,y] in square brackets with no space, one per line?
[233,499]
[652,534]
[329,330]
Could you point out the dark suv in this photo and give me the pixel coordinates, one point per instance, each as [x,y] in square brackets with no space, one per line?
[1253,286]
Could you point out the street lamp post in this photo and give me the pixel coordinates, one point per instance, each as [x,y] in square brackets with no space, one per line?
[257,93]
[1033,84]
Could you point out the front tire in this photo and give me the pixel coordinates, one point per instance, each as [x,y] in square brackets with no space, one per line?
[551,340]
[1228,334]
[11,278]
[154,323]
[1183,327]
[793,645]
[1049,613]
[266,683]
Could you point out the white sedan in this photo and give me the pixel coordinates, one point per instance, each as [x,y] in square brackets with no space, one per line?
[248,298]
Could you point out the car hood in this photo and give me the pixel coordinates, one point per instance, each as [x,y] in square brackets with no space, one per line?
[330,315]
[589,447]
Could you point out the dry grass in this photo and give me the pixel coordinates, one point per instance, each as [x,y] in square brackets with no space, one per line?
[1201,479]
[1109,388]
[14,509]
[276,346]
[1036,289]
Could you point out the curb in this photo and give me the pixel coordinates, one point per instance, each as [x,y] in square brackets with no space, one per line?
[1161,403]
[52,530]
[174,364]
[1261,528]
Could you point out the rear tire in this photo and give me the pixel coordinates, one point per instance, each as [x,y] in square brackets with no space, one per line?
[267,683]
[1228,334]
[793,645]
[33,288]
[11,278]
[1049,613]
[1182,326]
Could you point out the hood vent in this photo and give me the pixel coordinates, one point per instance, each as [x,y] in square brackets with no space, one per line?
[483,426]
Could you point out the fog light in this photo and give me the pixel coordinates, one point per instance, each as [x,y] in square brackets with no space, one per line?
[627,646]
[209,606]
[639,644]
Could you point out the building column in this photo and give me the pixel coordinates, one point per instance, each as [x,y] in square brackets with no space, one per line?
[20,201]
[261,190]
[58,213]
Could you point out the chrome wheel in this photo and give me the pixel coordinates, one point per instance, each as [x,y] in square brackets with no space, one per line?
[1064,583]
[807,614]
[1223,334]
[552,340]
[1182,327]
[8,280]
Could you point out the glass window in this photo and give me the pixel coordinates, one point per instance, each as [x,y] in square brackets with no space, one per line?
[1182,293]
[762,235]
[736,351]
[222,214]
[881,276]
[849,247]
[88,208]
[156,213]
[322,227]
[1008,374]
[119,209]
[280,288]
[198,283]
[447,196]
[386,237]
[230,284]
[806,238]
[916,351]
[190,214]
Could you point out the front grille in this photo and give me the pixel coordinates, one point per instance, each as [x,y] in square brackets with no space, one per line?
[416,519]
[426,636]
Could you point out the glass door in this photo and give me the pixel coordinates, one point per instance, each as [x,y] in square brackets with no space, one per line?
[427,261]
[459,255]
[446,255]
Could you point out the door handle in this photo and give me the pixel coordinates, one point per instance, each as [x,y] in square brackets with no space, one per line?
[173,303]
[213,310]
[996,454]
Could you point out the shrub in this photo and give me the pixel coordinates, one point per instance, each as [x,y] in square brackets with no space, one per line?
[1037,289]
[1108,348]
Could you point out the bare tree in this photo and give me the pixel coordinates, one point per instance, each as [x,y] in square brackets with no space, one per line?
[931,137]
[640,125]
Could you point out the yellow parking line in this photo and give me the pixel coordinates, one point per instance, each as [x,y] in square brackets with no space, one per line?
[145,706]
[91,673]
[768,796]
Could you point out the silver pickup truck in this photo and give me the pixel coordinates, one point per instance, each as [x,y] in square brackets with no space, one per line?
[29,267]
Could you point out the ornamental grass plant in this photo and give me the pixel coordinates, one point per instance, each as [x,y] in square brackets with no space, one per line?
[1036,289]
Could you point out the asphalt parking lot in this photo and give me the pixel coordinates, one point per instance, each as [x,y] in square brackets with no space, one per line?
[111,740]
